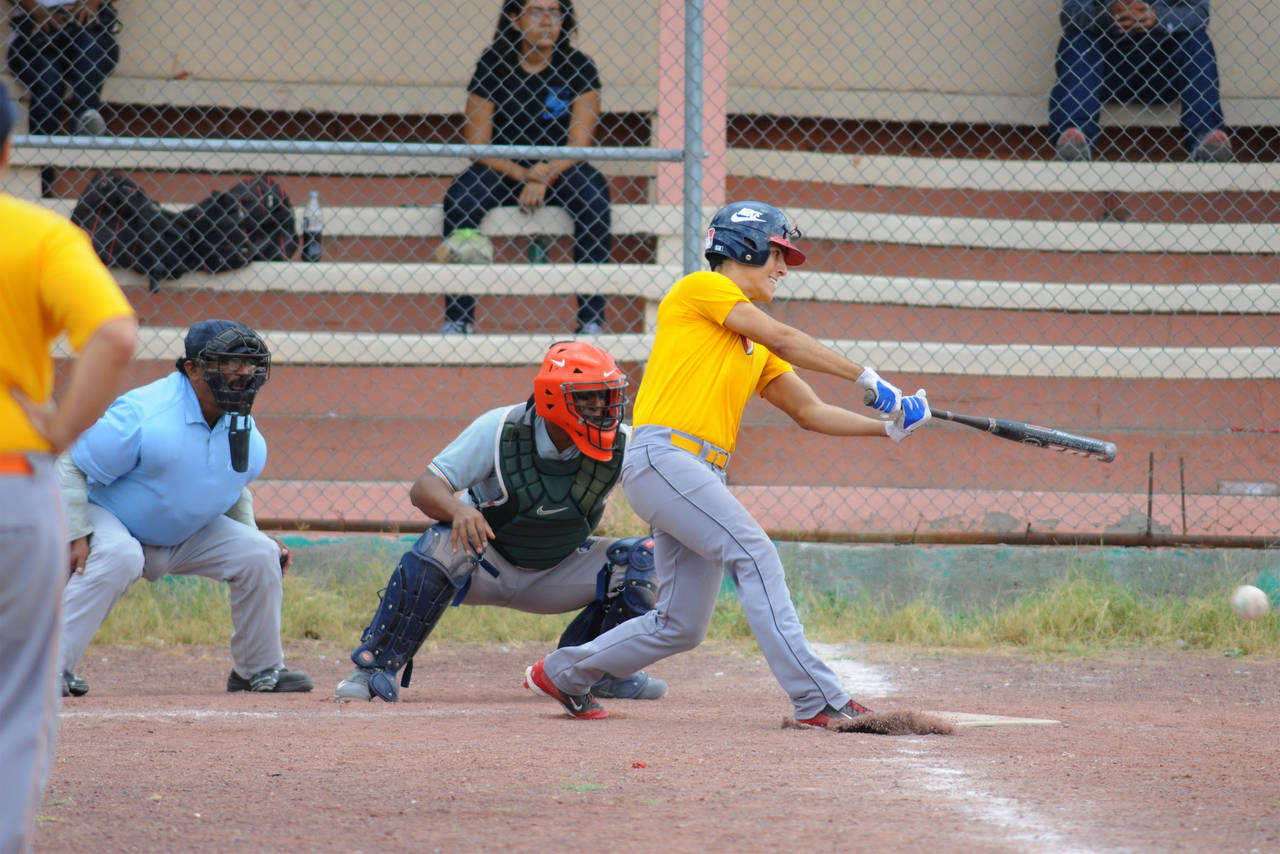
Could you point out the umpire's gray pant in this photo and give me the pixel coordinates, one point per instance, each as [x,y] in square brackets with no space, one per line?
[224,550]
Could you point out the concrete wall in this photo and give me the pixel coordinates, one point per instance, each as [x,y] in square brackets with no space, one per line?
[982,47]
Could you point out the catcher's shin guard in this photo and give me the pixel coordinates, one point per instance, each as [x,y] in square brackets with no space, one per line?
[639,592]
[415,597]
[637,595]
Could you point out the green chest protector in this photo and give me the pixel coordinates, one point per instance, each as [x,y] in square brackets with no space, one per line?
[551,506]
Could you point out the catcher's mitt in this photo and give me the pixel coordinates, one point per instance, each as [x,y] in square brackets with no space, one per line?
[465,246]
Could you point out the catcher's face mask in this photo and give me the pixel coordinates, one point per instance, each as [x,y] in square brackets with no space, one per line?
[581,389]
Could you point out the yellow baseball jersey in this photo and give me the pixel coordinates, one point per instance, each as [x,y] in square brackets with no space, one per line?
[700,374]
[50,282]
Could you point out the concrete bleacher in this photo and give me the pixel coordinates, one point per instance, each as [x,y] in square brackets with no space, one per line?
[1018,110]
[960,61]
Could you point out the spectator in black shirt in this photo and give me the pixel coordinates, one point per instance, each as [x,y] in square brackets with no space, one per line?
[532,87]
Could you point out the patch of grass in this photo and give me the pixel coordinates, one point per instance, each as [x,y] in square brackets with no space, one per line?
[620,520]
[333,590]
[1083,612]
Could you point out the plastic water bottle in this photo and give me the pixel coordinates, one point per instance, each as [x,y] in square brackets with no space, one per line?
[536,251]
[312,228]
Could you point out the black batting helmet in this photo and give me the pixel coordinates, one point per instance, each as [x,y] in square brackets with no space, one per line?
[743,232]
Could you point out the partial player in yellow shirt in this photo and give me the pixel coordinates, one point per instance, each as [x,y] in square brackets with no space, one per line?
[50,283]
[712,350]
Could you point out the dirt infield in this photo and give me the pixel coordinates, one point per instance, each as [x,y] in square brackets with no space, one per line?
[1153,751]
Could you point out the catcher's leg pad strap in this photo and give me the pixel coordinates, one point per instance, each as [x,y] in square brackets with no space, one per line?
[638,593]
[411,604]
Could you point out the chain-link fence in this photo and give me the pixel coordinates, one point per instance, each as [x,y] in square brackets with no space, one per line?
[1121,281]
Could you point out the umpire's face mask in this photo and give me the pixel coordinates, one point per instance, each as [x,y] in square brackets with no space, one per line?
[234,381]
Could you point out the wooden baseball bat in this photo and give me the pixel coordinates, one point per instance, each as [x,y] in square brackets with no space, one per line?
[1027,434]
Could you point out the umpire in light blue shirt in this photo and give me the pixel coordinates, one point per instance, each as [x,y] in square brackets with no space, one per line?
[159,485]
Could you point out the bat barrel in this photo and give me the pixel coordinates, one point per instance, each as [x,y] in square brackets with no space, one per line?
[1027,434]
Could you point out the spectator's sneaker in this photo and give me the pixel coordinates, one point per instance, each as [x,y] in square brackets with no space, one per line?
[271,680]
[355,686]
[456,327]
[637,686]
[847,712]
[73,685]
[1214,148]
[577,705]
[1072,145]
[590,328]
[91,123]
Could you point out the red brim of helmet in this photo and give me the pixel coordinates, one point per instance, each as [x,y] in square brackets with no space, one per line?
[793,256]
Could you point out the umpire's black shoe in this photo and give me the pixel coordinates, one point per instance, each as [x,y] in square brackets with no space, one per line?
[73,685]
[277,680]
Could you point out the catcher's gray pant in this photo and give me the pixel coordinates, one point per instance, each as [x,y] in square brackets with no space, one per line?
[567,586]
[33,565]
[224,550]
[700,532]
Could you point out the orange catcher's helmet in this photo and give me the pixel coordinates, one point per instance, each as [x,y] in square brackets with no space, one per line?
[581,389]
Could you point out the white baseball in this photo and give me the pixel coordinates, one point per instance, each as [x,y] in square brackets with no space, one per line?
[1249,602]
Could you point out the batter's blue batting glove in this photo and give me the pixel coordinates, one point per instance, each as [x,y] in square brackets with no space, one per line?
[888,396]
[914,412]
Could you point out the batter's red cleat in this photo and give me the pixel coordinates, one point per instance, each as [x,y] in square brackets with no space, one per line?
[828,715]
[577,705]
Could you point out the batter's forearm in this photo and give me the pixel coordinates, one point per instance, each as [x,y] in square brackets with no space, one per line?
[836,421]
[805,351]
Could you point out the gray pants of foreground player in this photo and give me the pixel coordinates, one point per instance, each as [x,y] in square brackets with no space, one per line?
[701,532]
[224,550]
[33,564]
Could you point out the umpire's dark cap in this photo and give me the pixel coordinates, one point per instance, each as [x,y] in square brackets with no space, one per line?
[200,334]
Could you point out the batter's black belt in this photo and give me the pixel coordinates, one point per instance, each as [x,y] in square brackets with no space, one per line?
[701,448]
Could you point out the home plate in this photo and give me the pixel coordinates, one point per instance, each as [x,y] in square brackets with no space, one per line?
[967,719]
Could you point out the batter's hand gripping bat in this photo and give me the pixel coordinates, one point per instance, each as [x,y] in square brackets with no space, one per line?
[1027,434]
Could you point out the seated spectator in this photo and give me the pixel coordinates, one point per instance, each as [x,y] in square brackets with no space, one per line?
[1130,51]
[55,45]
[532,87]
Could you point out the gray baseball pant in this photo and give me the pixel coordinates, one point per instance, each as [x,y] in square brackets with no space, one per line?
[224,550]
[567,586]
[33,567]
[700,533]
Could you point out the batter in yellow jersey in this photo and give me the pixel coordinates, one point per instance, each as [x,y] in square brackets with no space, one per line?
[51,283]
[713,349]
[700,373]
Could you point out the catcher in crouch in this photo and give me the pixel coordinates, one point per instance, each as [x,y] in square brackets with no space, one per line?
[533,479]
